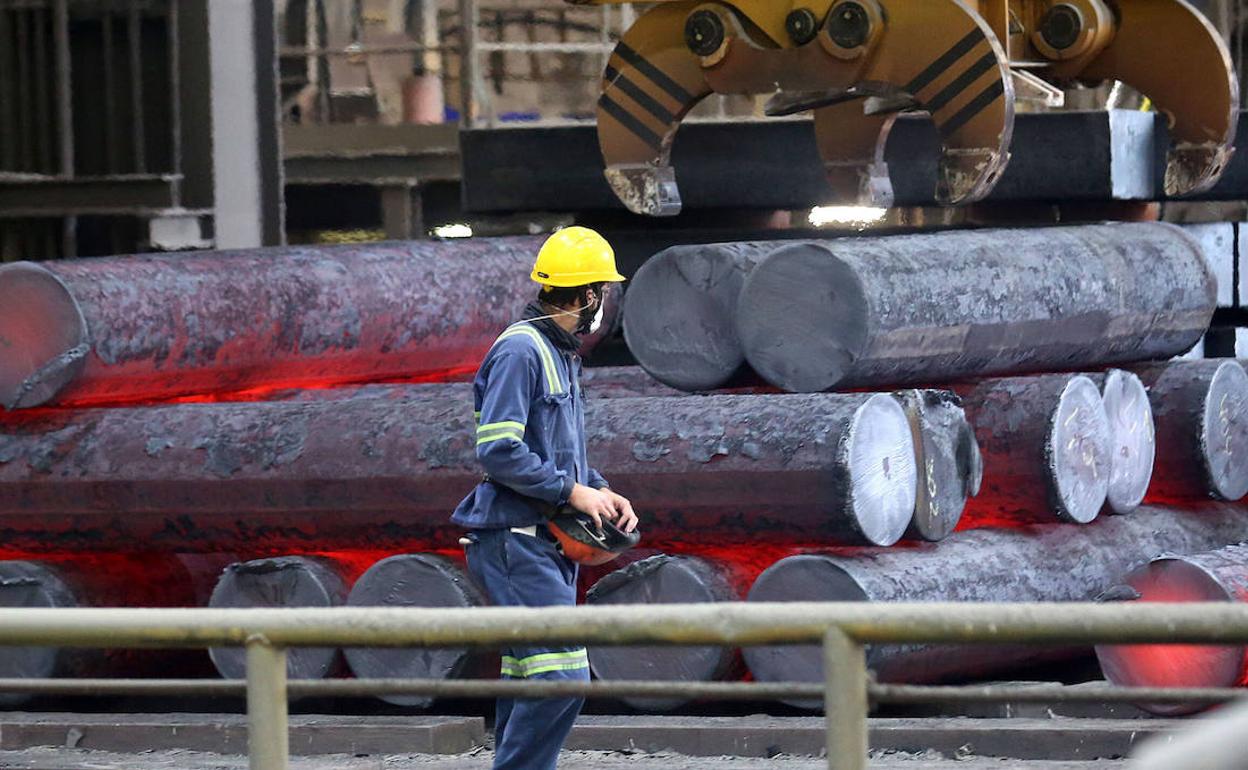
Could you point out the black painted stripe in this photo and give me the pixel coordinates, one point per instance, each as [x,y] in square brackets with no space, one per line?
[945,61]
[974,107]
[973,73]
[630,121]
[613,77]
[658,76]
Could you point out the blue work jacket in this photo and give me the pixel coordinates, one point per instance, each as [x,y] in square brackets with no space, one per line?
[530,432]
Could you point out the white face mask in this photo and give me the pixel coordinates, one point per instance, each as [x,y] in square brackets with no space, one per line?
[596,324]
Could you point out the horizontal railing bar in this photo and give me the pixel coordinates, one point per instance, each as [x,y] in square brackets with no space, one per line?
[551,47]
[1045,693]
[491,688]
[295,52]
[725,623]
[461,688]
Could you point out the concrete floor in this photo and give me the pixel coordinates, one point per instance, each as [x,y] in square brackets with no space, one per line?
[78,759]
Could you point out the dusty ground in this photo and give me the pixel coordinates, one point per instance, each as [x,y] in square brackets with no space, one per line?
[73,759]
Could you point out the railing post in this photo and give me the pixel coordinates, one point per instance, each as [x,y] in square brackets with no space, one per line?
[268,736]
[845,701]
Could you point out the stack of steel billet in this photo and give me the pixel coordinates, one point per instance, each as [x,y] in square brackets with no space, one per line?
[157,326]
[291,405]
[1213,576]
[1041,562]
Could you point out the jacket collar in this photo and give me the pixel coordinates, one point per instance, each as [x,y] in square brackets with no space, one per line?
[558,336]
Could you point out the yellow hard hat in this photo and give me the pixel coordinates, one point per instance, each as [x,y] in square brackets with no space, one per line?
[575,256]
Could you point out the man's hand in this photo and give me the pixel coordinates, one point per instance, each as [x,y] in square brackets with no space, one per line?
[594,503]
[626,518]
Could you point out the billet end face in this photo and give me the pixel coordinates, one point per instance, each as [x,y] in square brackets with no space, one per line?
[802,318]
[1078,452]
[43,335]
[802,578]
[288,581]
[1224,431]
[411,580]
[1173,579]
[883,475]
[950,467]
[1133,439]
[661,579]
[30,584]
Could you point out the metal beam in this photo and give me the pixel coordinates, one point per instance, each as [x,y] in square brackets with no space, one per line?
[1055,157]
[122,195]
[374,169]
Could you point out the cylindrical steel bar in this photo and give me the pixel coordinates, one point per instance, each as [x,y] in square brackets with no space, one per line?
[1132,436]
[153,327]
[367,473]
[1213,576]
[289,581]
[947,455]
[1201,410]
[823,468]
[864,312]
[1038,563]
[664,579]
[415,580]
[1046,445]
[100,580]
[681,308]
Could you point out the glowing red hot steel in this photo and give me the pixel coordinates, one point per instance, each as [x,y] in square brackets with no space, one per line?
[1214,576]
[104,580]
[1039,563]
[135,329]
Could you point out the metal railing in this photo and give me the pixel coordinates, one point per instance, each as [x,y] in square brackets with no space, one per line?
[842,628]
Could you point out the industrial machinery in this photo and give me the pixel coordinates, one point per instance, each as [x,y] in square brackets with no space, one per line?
[857,64]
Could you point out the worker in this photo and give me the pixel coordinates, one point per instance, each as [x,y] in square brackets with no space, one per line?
[530,439]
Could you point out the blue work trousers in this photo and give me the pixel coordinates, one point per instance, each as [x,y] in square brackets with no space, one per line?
[518,569]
